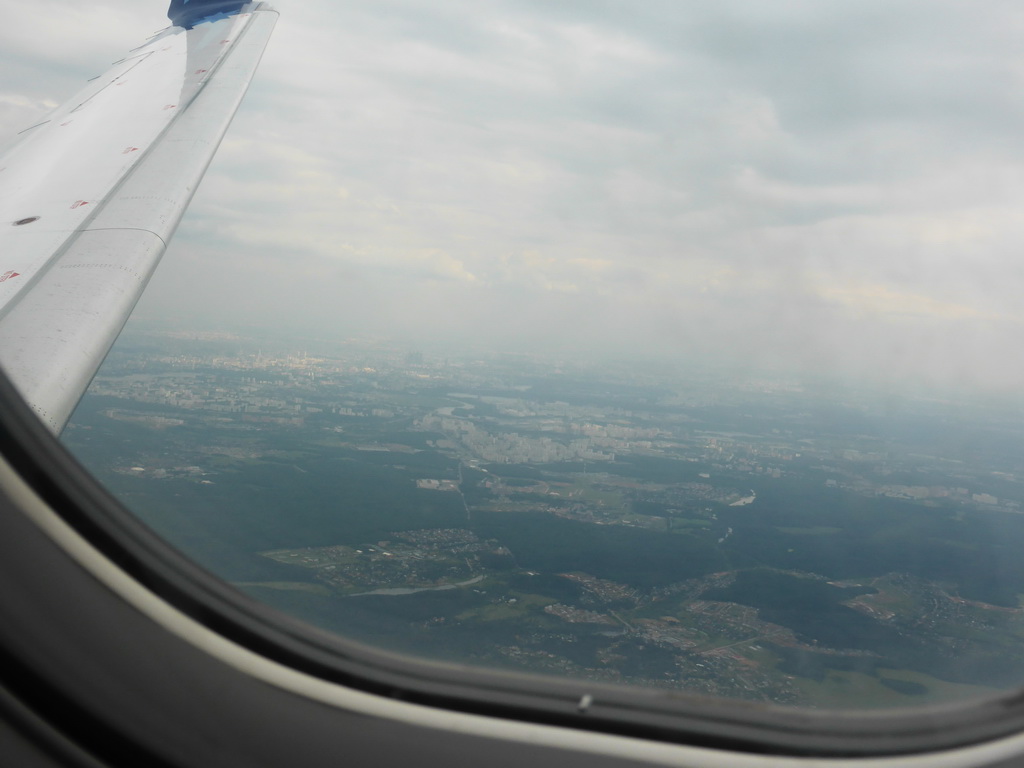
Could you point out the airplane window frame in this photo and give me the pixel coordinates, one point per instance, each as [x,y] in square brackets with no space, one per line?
[34,703]
[668,717]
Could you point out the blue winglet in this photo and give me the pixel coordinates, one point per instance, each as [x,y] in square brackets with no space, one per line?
[189,13]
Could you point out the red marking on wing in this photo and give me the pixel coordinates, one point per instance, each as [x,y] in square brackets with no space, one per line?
[79,203]
[129,150]
[8,275]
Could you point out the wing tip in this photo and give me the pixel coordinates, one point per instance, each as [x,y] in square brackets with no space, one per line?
[189,13]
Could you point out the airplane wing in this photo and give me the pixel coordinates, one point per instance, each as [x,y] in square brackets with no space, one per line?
[90,197]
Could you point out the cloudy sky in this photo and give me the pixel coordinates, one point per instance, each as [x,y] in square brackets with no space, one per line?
[808,185]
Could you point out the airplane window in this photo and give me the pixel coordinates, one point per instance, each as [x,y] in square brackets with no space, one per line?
[655,344]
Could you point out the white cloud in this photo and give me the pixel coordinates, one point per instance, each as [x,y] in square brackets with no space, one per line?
[815,183]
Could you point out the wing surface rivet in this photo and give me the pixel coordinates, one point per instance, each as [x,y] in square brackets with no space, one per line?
[23,222]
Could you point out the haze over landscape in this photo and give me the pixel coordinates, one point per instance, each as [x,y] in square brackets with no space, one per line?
[698,533]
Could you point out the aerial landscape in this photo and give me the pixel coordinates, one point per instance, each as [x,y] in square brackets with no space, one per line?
[759,537]
[660,348]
